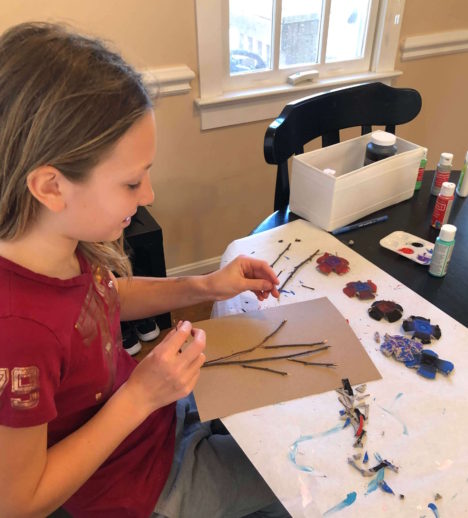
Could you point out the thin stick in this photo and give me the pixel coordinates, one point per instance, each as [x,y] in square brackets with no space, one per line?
[313,363]
[308,287]
[266,359]
[296,268]
[294,345]
[271,334]
[244,351]
[283,373]
[278,258]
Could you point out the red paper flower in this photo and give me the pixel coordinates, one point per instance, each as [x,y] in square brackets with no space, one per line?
[362,290]
[332,263]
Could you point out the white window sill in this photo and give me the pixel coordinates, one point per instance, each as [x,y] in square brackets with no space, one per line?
[266,103]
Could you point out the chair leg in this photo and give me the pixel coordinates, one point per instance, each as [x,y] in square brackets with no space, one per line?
[282,187]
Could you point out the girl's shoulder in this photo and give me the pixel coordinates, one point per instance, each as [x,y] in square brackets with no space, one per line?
[29,300]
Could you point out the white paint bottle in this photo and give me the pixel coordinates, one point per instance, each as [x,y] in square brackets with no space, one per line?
[443,249]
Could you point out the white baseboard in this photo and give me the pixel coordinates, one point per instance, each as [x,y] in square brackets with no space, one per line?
[198,268]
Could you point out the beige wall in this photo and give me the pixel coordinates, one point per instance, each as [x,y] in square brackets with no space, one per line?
[213,186]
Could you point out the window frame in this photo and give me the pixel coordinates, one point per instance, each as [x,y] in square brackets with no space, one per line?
[224,104]
[277,75]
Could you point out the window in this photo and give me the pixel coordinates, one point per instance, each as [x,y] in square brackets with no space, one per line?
[248,48]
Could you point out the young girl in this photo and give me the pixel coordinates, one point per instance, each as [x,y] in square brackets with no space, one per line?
[81,424]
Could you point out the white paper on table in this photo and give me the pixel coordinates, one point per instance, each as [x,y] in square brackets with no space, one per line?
[420,425]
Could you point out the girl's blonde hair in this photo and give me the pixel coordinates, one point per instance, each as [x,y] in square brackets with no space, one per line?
[65,100]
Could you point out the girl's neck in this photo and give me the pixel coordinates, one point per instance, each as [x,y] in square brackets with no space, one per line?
[53,257]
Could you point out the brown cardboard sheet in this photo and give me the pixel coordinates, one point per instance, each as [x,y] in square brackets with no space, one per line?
[226,390]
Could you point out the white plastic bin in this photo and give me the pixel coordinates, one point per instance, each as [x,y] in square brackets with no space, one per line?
[331,201]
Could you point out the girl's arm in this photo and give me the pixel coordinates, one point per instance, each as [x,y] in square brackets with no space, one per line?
[141,297]
[34,480]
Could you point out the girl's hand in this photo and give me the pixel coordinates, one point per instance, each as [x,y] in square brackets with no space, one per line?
[170,371]
[243,274]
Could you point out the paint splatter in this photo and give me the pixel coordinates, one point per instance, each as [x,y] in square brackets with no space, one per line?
[375,482]
[349,500]
[406,250]
[397,397]
[424,259]
[434,509]
[294,446]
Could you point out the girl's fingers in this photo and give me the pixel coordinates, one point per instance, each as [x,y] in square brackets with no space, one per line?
[195,348]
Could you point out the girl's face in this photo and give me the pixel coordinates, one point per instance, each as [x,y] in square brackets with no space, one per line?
[102,206]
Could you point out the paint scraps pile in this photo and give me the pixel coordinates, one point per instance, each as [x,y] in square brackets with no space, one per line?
[356,410]
[356,413]
[412,354]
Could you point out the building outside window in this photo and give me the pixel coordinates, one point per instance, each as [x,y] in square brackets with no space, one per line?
[253,46]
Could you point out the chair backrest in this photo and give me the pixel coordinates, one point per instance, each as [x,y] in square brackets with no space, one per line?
[323,115]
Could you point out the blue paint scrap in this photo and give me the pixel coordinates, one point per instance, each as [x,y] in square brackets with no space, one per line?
[347,422]
[385,487]
[375,482]
[434,509]
[349,500]
[365,460]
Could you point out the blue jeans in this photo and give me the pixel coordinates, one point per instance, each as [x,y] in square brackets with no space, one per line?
[211,477]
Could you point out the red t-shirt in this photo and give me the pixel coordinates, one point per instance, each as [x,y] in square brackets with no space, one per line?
[61,358]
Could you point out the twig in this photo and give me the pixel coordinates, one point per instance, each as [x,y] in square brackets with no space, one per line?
[308,287]
[265,359]
[313,363]
[294,345]
[244,351]
[283,373]
[271,334]
[278,258]
[297,268]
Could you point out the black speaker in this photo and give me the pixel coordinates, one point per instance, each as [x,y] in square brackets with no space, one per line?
[144,245]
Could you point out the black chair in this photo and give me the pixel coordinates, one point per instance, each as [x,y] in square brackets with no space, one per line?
[323,115]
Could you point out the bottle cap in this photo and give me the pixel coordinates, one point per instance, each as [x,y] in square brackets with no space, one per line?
[383,138]
[447,189]
[446,159]
[447,232]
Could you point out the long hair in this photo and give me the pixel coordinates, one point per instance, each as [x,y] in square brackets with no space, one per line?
[65,100]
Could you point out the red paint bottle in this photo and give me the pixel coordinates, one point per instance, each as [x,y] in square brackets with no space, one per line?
[443,205]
